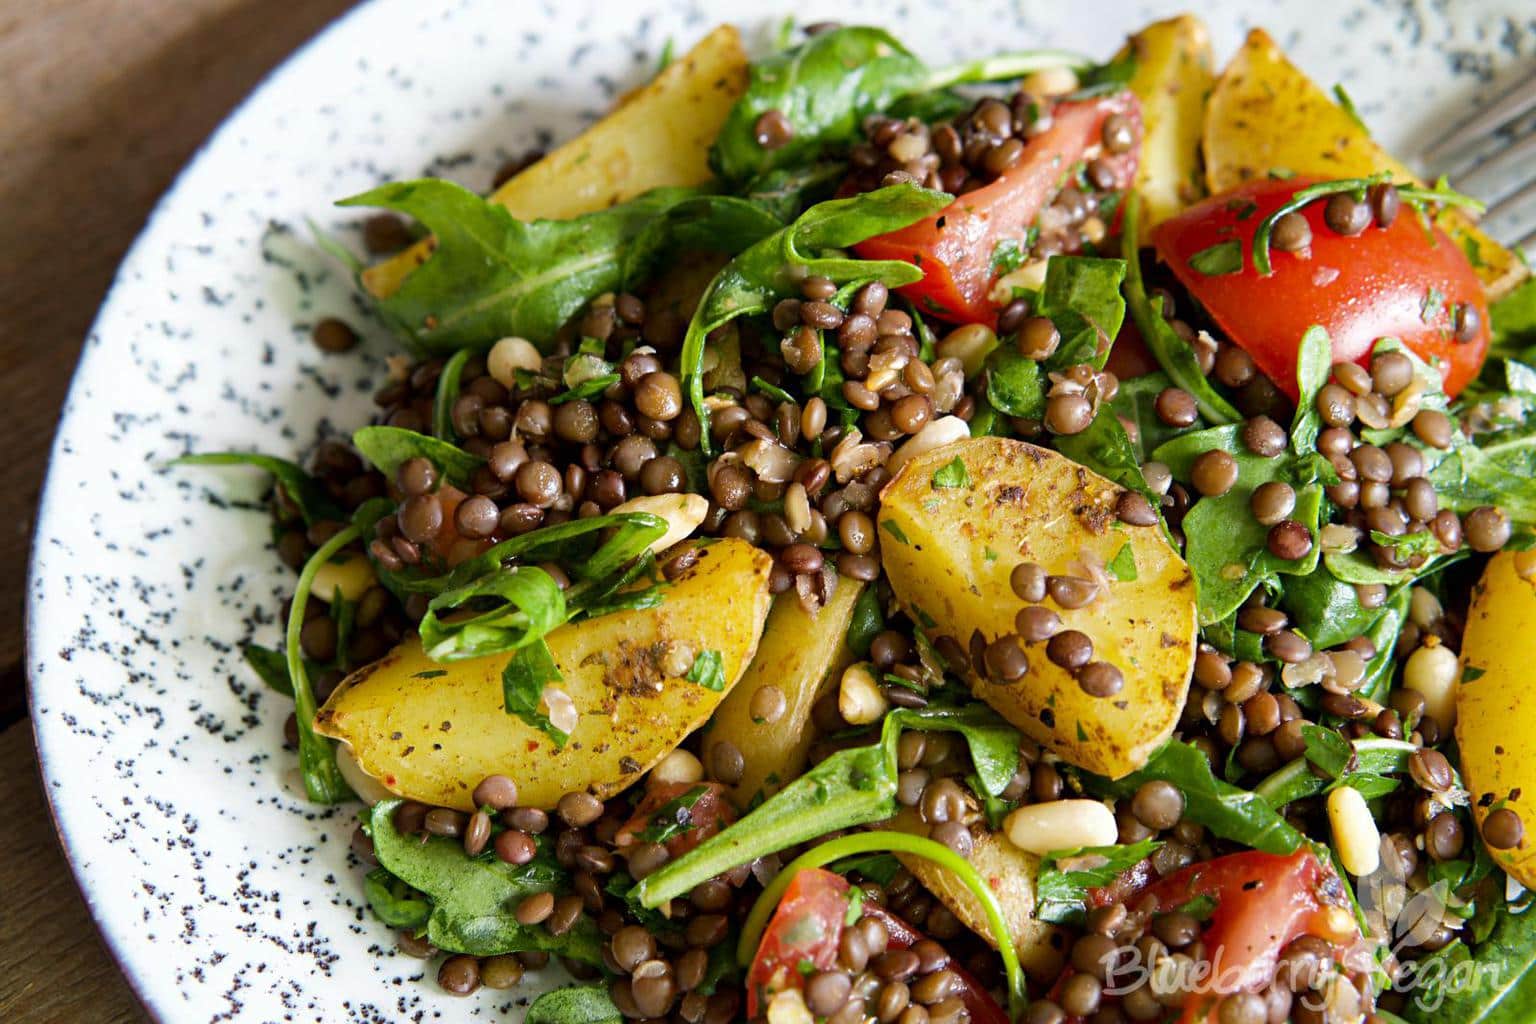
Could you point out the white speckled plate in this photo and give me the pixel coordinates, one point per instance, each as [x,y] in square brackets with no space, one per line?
[225,895]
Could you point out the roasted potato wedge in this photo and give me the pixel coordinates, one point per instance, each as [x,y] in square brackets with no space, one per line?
[1265,115]
[801,655]
[432,731]
[1495,705]
[1010,872]
[1172,79]
[949,552]
[659,136]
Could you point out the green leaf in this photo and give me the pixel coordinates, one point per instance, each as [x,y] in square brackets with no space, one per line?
[1227,810]
[1172,353]
[1314,363]
[1327,749]
[491,275]
[526,604]
[1136,402]
[323,782]
[1221,258]
[867,622]
[271,666]
[951,474]
[1015,385]
[855,786]
[1061,892]
[1494,984]
[387,447]
[1106,449]
[880,868]
[474,899]
[447,394]
[674,817]
[1409,545]
[824,88]
[579,1004]
[896,532]
[787,192]
[1123,565]
[522,687]
[708,671]
[1082,297]
[1513,322]
[394,902]
[311,499]
[1367,760]
[767,271]
[1007,256]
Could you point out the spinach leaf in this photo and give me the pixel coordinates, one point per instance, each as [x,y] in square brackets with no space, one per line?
[579,1004]
[1172,353]
[1228,811]
[1225,546]
[447,394]
[530,669]
[1082,297]
[1015,385]
[867,622]
[1493,984]
[823,88]
[1105,448]
[1496,472]
[766,271]
[528,604]
[856,786]
[1062,884]
[491,275]
[1314,363]
[1135,402]
[311,499]
[394,902]
[474,898]
[387,447]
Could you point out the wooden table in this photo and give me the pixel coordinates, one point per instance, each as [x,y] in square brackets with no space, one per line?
[101,102]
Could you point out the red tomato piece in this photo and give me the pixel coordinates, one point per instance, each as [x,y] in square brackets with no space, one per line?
[1402,281]
[955,246]
[706,815]
[807,928]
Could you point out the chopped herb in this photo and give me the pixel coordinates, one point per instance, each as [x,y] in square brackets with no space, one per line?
[708,671]
[1221,258]
[1007,256]
[890,527]
[1123,565]
[952,474]
[431,673]
[674,817]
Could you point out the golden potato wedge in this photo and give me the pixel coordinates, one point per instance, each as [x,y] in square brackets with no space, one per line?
[1172,79]
[1266,114]
[431,731]
[1010,872]
[657,137]
[803,657]
[949,551]
[1496,707]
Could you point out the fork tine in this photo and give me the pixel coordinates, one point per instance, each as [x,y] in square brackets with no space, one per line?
[1502,174]
[1513,102]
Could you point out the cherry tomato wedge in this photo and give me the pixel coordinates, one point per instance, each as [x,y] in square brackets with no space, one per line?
[1403,281]
[805,932]
[682,815]
[955,247]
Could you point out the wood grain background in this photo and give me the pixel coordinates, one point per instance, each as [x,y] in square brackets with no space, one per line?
[101,103]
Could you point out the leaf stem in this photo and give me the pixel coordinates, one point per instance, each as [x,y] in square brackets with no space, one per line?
[1003,66]
[890,842]
[322,779]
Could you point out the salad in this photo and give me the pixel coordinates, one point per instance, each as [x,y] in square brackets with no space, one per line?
[849,540]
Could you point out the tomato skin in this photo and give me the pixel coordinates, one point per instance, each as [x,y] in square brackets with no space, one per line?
[808,925]
[1373,285]
[954,247]
[708,814]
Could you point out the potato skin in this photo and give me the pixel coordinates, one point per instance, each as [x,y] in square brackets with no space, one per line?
[1172,79]
[658,136]
[1266,114]
[1025,503]
[1496,710]
[1010,873]
[432,737]
[804,657]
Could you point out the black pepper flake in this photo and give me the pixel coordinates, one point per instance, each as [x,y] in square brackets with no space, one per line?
[628,765]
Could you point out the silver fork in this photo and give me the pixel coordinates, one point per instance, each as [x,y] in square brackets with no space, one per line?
[1492,156]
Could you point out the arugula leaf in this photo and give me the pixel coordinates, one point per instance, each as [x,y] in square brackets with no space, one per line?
[387,447]
[880,868]
[1228,811]
[1081,295]
[1172,352]
[491,275]
[712,223]
[523,679]
[271,666]
[579,1004]
[394,902]
[950,475]
[787,192]
[855,786]
[1221,258]
[1061,892]
[867,622]
[1367,759]
[323,782]
[528,604]
[1494,983]
[474,898]
[824,88]
[1327,749]
[756,278]
[447,394]
[707,671]
[311,499]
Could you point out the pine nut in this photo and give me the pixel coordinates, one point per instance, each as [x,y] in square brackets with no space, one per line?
[683,513]
[1355,835]
[933,434]
[1061,825]
[679,766]
[561,710]
[508,356]
[859,699]
[970,344]
[1431,671]
[1057,81]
